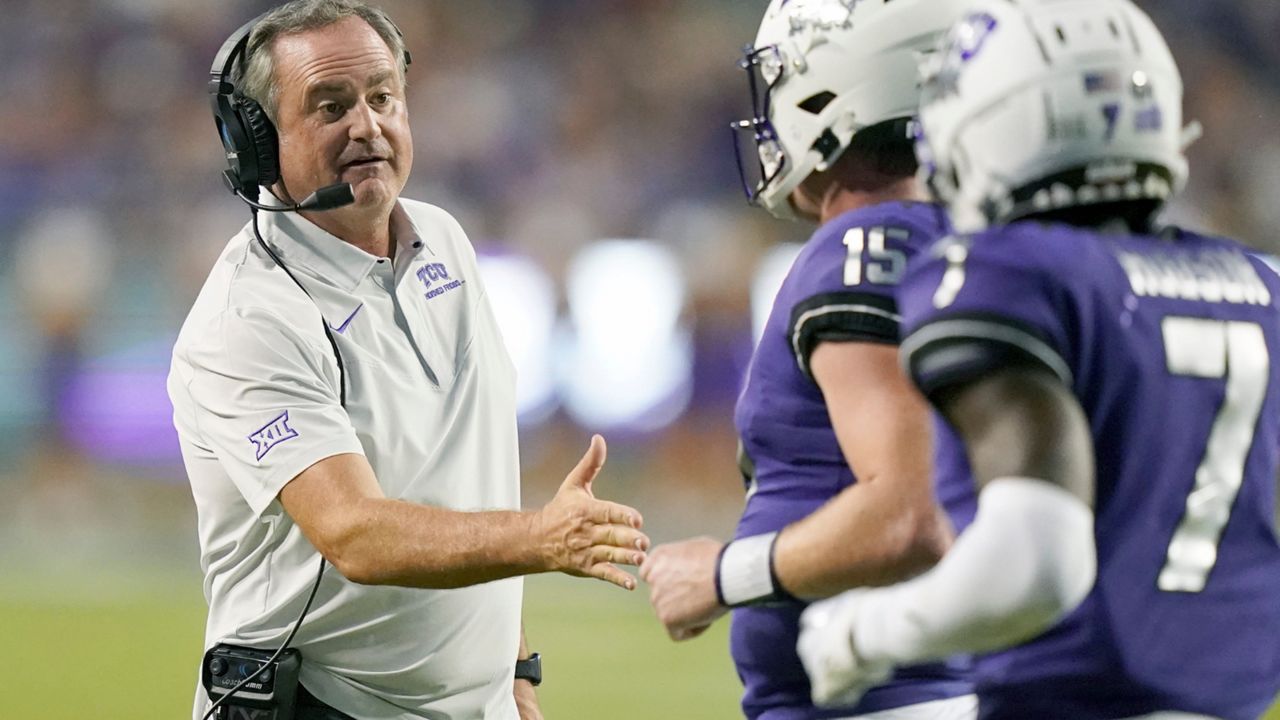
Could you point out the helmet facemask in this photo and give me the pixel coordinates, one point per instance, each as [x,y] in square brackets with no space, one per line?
[821,71]
[760,164]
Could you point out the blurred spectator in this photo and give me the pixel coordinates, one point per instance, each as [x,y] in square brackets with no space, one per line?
[62,268]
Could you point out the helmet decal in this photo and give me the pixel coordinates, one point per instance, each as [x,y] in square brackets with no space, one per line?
[1033,107]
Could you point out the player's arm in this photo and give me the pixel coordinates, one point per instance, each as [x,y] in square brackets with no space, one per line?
[1026,561]
[886,527]
[1028,558]
[988,348]
[372,539]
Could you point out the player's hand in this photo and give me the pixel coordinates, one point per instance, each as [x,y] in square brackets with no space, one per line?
[682,588]
[527,701]
[580,535]
[837,676]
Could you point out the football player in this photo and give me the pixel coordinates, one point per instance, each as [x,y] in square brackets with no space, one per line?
[835,443]
[1111,379]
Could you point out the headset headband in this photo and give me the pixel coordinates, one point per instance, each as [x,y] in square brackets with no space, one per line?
[224,61]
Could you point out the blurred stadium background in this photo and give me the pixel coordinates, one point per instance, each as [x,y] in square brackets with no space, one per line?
[583,145]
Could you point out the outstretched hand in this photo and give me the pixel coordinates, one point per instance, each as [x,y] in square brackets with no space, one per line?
[586,537]
[682,590]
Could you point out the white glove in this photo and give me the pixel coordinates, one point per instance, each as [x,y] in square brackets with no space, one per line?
[837,676]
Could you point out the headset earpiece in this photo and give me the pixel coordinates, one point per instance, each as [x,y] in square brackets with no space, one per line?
[262,139]
[248,137]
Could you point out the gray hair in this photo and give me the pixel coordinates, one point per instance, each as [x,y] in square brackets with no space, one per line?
[257,78]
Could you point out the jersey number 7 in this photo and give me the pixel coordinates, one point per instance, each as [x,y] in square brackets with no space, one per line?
[1215,350]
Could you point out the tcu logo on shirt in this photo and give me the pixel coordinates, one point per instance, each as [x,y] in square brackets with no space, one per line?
[432,272]
[272,434]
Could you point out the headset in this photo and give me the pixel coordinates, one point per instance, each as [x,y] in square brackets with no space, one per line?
[247,134]
[252,152]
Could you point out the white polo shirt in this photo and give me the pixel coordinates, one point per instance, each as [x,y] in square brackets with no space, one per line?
[430,403]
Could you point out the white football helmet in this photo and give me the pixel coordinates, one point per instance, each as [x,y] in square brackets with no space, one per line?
[1033,106]
[820,71]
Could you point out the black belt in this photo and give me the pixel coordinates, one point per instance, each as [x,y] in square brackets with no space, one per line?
[310,707]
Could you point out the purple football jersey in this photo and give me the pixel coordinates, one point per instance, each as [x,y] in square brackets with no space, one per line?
[1166,342]
[840,289]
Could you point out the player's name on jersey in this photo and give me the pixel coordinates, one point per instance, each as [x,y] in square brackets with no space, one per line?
[1211,276]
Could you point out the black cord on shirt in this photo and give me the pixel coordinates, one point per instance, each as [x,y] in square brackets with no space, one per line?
[283,646]
[333,342]
[342,400]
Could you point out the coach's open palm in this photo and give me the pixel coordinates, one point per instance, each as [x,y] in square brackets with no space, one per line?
[583,536]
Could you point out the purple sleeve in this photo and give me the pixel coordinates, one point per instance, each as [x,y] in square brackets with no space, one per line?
[973,306]
[841,288]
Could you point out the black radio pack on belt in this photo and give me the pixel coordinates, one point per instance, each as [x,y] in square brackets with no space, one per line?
[272,685]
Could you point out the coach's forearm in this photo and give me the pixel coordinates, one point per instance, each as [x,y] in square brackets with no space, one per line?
[873,533]
[374,540]
[392,542]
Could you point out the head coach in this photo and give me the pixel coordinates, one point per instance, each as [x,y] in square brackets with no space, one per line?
[341,391]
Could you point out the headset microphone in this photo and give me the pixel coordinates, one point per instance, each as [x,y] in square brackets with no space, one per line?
[329,197]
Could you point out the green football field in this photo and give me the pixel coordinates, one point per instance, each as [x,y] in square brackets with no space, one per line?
[134,658]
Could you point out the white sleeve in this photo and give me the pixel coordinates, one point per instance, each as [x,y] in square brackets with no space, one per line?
[264,401]
[1027,560]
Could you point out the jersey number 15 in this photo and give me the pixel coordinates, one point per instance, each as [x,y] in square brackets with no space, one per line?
[869,259]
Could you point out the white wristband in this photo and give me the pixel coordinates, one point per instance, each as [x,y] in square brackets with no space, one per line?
[744,574]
